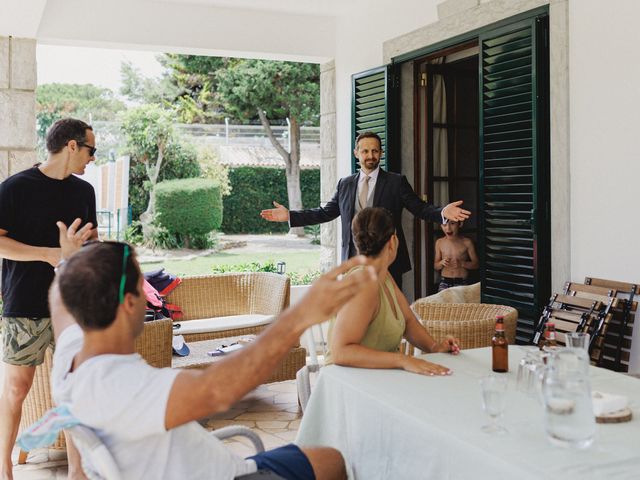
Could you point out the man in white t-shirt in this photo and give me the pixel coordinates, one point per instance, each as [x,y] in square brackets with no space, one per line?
[147,416]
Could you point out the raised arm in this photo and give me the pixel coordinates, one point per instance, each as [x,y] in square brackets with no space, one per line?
[196,394]
[70,240]
[314,216]
[21,252]
[417,207]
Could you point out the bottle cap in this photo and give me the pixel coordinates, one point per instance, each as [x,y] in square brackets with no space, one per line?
[551,324]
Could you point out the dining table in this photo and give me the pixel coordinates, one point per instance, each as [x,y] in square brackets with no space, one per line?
[392,424]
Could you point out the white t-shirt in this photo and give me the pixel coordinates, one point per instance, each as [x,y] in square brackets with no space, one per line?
[124,400]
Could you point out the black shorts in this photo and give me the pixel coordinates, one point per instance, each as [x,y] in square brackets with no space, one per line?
[448,282]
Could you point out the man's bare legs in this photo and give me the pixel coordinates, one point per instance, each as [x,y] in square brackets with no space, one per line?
[16,385]
[327,463]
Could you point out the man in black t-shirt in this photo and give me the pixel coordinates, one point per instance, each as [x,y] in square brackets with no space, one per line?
[31,203]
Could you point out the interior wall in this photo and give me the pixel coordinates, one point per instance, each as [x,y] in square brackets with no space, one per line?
[359,41]
[605,155]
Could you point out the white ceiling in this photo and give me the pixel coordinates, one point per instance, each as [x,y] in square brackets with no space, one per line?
[298,30]
[333,8]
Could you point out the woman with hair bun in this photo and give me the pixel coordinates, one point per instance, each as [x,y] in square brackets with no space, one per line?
[367,330]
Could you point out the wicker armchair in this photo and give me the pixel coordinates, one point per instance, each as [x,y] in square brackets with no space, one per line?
[228,295]
[473,323]
[154,345]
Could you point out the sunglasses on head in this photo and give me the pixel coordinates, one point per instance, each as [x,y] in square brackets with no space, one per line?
[92,149]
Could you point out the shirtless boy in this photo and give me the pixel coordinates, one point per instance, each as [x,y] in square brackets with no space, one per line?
[455,256]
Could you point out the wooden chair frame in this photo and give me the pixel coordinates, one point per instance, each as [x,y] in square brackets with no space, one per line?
[623,312]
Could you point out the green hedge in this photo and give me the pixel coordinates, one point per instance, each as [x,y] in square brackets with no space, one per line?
[254,189]
[190,206]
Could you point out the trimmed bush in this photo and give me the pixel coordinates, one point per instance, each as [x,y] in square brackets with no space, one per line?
[189,206]
[180,161]
[254,189]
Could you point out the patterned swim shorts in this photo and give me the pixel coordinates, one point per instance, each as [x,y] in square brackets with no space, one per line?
[25,340]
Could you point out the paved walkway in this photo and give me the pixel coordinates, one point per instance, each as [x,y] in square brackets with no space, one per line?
[234,244]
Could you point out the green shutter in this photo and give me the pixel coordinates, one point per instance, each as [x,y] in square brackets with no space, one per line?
[514,207]
[374,108]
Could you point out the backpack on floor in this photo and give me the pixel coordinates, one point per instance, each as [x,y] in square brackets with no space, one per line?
[157,307]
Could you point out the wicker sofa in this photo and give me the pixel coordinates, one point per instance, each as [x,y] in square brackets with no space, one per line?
[154,345]
[228,304]
[472,323]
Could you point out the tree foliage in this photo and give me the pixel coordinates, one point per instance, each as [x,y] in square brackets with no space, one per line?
[151,140]
[280,89]
[211,88]
[195,79]
[141,89]
[181,161]
[85,102]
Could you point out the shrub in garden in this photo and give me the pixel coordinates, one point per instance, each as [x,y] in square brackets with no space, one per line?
[296,278]
[254,188]
[190,208]
[180,161]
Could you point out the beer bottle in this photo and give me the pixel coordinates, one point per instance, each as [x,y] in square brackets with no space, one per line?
[500,347]
[549,336]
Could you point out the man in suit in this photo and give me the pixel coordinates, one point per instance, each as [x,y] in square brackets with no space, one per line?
[370,187]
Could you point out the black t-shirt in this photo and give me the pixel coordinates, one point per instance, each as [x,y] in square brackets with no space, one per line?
[30,205]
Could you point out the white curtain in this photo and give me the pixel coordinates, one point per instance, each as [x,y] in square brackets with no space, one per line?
[440,137]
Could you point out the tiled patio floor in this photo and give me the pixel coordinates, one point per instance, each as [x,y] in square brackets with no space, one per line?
[270,410]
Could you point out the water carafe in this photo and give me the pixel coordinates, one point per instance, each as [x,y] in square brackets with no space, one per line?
[568,413]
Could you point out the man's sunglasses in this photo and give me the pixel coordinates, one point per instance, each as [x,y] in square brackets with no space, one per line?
[92,149]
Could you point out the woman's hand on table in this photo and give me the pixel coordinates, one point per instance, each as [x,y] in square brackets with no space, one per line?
[422,367]
[449,345]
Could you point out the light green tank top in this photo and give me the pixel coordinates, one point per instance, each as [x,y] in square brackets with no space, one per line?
[386,329]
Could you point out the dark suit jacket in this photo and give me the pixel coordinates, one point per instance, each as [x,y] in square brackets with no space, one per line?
[392,191]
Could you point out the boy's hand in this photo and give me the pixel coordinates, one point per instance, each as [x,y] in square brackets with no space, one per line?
[445,262]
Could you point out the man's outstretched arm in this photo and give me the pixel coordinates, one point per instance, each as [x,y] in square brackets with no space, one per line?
[309,216]
[426,211]
[196,394]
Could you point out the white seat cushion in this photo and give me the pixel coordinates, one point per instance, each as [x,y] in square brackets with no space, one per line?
[218,324]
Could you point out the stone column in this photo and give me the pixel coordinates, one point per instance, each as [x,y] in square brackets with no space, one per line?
[17,105]
[328,161]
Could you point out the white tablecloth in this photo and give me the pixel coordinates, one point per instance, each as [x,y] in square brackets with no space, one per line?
[391,424]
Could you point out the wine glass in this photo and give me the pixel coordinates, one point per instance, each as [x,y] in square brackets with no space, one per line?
[494,401]
[577,340]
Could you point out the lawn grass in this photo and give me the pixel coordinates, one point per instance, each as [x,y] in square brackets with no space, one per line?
[300,262]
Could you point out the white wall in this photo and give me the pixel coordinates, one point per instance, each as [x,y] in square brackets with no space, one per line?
[605,128]
[359,47]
